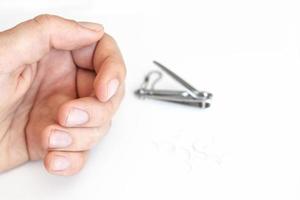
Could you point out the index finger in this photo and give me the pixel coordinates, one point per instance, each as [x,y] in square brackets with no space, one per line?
[106,60]
[110,68]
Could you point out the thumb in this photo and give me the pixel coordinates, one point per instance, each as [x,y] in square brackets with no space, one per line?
[29,41]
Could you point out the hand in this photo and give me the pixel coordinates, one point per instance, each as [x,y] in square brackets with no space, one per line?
[61,82]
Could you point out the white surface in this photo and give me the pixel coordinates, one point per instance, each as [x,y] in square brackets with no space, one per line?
[246,144]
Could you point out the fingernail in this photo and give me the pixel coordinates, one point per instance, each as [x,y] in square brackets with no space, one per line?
[92,26]
[60,163]
[59,139]
[77,117]
[112,88]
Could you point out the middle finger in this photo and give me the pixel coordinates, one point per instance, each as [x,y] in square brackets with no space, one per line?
[58,138]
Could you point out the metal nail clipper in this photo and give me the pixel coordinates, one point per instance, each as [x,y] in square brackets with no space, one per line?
[190,96]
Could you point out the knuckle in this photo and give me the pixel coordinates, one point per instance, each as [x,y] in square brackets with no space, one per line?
[73,22]
[116,58]
[117,64]
[98,118]
[93,139]
[120,66]
[43,18]
[41,24]
[110,107]
[109,37]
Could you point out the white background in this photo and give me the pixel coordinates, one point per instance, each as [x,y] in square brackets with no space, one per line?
[246,146]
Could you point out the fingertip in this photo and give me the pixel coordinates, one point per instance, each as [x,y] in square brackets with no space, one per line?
[106,90]
[57,164]
[72,114]
[112,88]
[64,163]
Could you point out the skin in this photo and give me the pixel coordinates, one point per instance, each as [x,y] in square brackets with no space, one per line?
[49,66]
